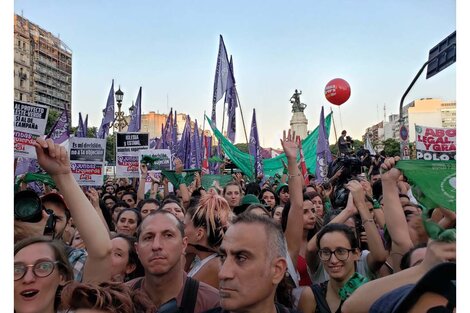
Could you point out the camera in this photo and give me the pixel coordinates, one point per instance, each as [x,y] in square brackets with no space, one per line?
[27,206]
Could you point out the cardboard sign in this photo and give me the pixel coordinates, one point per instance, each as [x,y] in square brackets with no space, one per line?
[29,123]
[87,160]
[159,159]
[437,144]
[128,146]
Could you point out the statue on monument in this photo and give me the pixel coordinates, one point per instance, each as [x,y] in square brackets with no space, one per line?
[297,106]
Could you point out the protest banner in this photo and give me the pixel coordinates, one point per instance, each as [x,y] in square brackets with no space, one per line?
[156,160]
[29,123]
[436,144]
[87,160]
[128,146]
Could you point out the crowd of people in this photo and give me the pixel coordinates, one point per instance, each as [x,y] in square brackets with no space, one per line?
[355,243]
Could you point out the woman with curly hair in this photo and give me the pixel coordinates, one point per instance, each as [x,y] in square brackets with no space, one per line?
[205,226]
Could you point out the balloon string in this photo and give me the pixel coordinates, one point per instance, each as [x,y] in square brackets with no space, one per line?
[340,119]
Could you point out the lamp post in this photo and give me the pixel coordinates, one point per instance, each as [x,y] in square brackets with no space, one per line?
[119,121]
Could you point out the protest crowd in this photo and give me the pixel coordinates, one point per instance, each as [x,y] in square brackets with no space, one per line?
[358,241]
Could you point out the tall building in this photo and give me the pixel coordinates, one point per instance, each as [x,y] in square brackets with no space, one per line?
[42,66]
[429,112]
[152,123]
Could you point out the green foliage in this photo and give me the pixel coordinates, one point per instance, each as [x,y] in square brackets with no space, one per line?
[391,147]
[111,149]
[243,147]
[51,119]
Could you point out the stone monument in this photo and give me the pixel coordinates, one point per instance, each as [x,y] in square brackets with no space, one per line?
[298,122]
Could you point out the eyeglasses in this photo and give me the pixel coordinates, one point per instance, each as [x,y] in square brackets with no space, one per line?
[40,269]
[342,254]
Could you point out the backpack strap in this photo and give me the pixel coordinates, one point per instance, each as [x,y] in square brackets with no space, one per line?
[322,306]
[188,302]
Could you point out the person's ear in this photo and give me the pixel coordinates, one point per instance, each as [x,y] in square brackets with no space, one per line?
[278,269]
[185,243]
[200,233]
[130,268]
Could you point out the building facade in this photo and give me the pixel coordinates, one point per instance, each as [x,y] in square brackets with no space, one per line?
[42,67]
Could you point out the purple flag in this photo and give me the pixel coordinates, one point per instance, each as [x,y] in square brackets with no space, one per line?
[221,73]
[85,127]
[184,145]
[60,131]
[324,157]
[166,131]
[80,129]
[26,165]
[134,125]
[108,117]
[174,136]
[196,148]
[231,100]
[254,147]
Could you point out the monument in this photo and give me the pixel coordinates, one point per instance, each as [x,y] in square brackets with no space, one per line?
[298,122]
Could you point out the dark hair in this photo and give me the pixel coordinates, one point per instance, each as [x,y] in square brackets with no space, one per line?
[252,188]
[120,204]
[106,214]
[377,189]
[261,194]
[131,193]
[171,200]
[137,213]
[120,188]
[110,297]
[406,259]
[336,227]
[110,197]
[132,256]
[143,202]
[179,224]
[254,206]
[307,196]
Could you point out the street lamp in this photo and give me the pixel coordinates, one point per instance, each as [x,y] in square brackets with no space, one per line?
[120,121]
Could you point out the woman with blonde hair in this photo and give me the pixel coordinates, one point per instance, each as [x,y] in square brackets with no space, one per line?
[205,226]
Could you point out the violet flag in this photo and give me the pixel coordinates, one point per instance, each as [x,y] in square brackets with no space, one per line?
[135,123]
[254,147]
[173,140]
[26,165]
[220,80]
[108,115]
[196,148]
[81,126]
[184,146]
[166,131]
[60,132]
[231,100]
[85,127]
[324,157]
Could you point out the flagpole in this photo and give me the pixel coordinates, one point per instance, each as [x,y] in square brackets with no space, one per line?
[244,128]
[334,128]
[223,120]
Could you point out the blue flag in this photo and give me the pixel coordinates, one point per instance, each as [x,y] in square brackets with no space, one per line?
[324,157]
[254,147]
[231,100]
[135,123]
[60,132]
[221,74]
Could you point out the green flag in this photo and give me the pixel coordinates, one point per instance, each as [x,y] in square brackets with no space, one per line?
[433,182]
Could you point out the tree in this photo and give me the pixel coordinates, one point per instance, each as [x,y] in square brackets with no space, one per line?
[51,119]
[391,147]
[111,149]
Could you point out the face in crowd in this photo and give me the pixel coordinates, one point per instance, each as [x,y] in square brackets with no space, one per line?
[269,198]
[60,217]
[249,271]
[120,259]
[175,209]
[161,243]
[127,222]
[284,195]
[277,214]
[38,272]
[233,195]
[147,209]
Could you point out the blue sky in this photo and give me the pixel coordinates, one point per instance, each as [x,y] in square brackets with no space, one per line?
[170,49]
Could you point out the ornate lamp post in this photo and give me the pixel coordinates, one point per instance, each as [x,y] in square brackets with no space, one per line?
[120,121]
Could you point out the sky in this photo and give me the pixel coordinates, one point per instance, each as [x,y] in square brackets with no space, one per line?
[170,49]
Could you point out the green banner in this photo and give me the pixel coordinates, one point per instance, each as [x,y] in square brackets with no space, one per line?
[433,182]
[245,162]
[207,180]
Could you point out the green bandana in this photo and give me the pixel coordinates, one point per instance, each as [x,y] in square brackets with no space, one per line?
[356,281]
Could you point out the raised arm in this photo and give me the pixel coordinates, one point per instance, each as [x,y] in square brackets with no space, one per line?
[294,229]
[143,177]
[394,217]
[54,160]
[377,256]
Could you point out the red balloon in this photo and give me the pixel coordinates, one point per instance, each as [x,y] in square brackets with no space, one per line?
[337,91]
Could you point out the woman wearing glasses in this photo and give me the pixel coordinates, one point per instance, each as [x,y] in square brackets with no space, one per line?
[339,252]
[40,268]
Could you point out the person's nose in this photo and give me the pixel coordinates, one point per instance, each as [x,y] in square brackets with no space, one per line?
[29,276]
[157,243]
[226,271]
